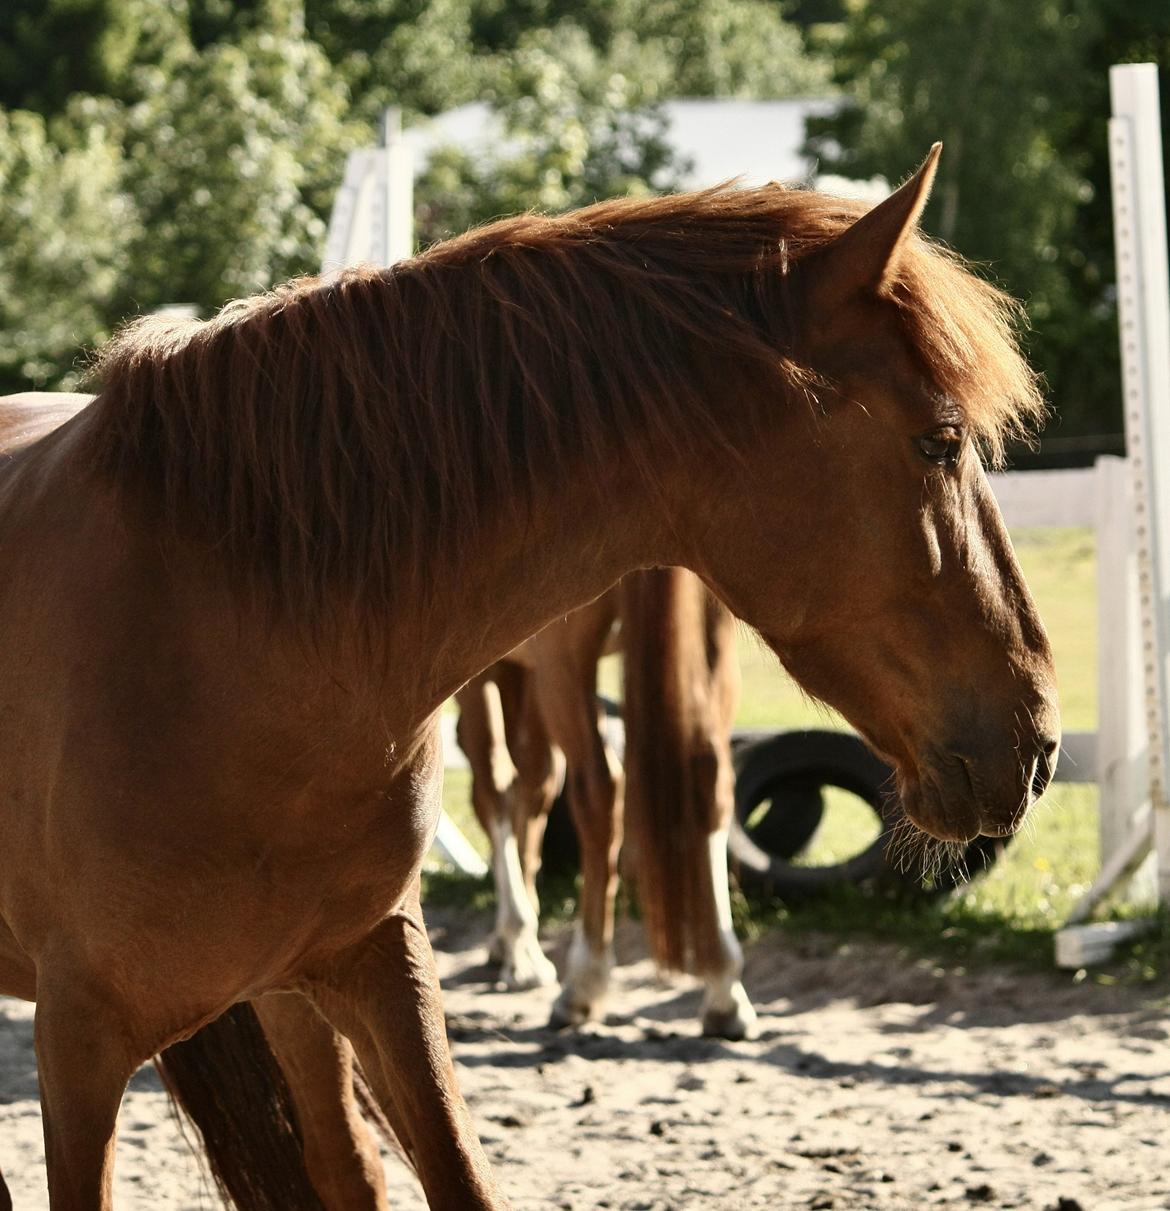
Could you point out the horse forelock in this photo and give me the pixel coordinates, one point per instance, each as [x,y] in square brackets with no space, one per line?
[338,433]
[965,330]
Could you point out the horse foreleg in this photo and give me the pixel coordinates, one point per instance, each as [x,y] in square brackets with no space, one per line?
[384,995]
[515,944]
[569,707]
[86,1054]
[539,768]
[727,1011]
[341,1155]
[540,771]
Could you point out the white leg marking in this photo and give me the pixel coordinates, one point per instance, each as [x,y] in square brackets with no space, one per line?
[585,984]
[522,962]
[727,1011]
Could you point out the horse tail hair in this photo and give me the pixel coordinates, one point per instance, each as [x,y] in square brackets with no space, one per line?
[394,1138]
[681,685]
[226,1080]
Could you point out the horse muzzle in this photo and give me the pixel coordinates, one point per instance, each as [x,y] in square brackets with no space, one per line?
[960,792]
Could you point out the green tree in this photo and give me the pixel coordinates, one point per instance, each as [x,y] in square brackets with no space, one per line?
[728,48]
[579,101]
[1019,95]
[232,157]
[65,229]
[417,54]
[577,125]
[711,48]
[429,55]
[51,50]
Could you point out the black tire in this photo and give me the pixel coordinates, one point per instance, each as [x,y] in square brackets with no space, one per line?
[792,809]
[785,771]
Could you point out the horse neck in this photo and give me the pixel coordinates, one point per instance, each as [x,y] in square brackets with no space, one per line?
[578,539]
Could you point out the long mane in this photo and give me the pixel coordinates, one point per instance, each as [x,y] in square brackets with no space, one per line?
[327,436]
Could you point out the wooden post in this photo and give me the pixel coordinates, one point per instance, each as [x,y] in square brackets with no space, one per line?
[1143,291]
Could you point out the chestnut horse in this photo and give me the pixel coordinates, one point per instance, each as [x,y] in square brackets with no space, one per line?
[522,718]
[236,589]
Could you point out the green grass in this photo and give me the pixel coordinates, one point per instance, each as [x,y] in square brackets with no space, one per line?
[1009,912]
[1030,889]
[1061,569]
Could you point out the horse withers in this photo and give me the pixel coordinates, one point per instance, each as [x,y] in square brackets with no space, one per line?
[235,590]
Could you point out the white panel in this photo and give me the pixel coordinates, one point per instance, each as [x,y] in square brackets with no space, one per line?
[1121,725]
[372,221]
[1047,498]
[1143,288]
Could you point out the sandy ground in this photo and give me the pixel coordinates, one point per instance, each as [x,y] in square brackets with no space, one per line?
[877,1081]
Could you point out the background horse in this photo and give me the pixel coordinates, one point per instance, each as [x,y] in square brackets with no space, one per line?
[236,589]
[519,716]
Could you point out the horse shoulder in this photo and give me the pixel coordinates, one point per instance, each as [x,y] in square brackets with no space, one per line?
[30,415]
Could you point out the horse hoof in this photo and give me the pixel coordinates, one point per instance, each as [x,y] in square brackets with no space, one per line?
[568,1013]
[734,1024]
[528,971]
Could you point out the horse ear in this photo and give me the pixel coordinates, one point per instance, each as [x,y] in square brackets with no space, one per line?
[864,257]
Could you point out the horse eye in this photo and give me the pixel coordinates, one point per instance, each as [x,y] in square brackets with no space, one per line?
[941,446]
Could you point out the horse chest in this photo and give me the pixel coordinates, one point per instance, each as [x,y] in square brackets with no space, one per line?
[348,864]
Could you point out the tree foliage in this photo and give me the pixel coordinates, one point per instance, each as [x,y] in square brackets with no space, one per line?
[702,49]
[158,151]
[577,124]
[578,93]
[231,157]
[65,227]
[1018,93]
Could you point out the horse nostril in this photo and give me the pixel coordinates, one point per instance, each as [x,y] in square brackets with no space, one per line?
[1045,766]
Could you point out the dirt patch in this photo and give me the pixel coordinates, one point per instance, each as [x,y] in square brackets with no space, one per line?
[877,1081]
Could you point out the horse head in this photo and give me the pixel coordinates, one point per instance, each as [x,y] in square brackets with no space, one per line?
[880,570]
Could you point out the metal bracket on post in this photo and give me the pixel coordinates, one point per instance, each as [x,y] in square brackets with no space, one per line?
[1143,289]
